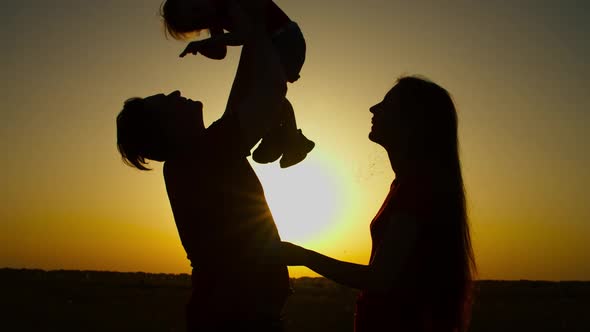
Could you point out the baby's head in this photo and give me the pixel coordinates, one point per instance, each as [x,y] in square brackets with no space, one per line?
[184,18]
[157,128]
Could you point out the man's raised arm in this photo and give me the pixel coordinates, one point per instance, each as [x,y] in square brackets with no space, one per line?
[259,87]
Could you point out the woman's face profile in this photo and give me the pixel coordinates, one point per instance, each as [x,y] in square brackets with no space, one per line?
[387,122]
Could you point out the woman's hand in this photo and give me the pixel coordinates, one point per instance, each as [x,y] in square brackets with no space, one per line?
[292,254]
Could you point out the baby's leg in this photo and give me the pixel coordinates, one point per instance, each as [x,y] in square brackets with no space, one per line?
[291,47]
[273,143]
[296,146]
[284,139]
[288,117]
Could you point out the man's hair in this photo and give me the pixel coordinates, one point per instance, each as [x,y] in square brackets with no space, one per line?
[138,135]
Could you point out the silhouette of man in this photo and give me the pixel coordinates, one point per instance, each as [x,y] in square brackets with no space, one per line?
[218,202]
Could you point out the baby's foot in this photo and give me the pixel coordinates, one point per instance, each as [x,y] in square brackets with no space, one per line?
[271,147]
[296,150]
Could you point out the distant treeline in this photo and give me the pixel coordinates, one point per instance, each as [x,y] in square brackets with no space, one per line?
[165,279]
[184,279]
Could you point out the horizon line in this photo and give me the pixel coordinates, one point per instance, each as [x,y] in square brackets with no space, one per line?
[302,277]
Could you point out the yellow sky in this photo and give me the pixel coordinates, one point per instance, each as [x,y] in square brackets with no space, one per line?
[518,74]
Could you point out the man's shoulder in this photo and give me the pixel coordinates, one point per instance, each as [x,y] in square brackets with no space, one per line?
[223,139]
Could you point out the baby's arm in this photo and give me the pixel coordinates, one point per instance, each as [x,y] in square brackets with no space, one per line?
[214,47]
[226,38]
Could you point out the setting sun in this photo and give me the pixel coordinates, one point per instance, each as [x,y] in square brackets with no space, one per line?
[70,203]
[304,199]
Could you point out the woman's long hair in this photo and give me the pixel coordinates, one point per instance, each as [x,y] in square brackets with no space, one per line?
[434,148]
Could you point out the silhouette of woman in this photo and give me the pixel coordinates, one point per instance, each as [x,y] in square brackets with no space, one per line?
[222,216]
[420,273]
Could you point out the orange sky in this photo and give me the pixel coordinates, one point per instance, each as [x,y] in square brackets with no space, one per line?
[518,73]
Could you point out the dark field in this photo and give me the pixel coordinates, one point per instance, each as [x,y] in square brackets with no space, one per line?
[35,300]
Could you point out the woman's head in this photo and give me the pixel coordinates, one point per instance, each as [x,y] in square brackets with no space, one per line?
[183,18]
[416,123]
[157,127]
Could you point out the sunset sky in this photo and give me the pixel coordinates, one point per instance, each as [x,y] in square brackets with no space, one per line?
[517,70]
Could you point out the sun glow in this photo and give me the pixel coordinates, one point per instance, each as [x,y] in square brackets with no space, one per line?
[304,199]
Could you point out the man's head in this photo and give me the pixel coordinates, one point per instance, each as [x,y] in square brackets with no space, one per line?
[157,127]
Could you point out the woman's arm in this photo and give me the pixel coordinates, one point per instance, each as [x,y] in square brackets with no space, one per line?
[383,271]
[349,274]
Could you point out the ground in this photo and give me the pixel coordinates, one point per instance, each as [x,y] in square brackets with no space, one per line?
[36,300]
